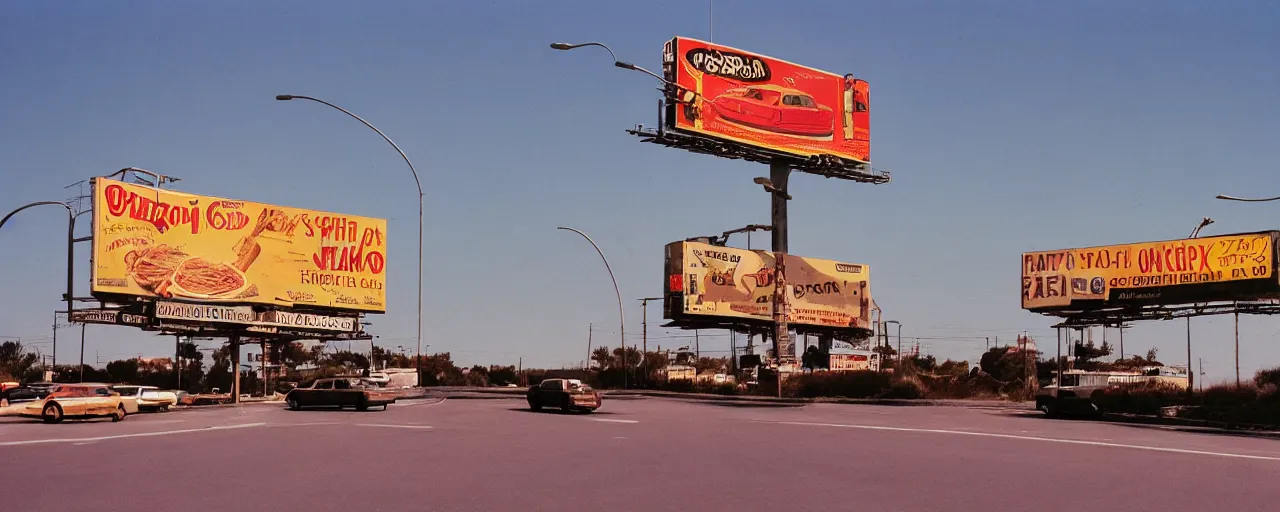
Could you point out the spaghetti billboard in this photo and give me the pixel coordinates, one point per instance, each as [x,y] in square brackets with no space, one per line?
[705,280]
[744,97]
[1174,272]
[158,243]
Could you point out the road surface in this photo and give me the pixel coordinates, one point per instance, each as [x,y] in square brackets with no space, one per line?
[632,455]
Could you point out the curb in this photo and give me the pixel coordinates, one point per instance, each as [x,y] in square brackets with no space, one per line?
[1207,426]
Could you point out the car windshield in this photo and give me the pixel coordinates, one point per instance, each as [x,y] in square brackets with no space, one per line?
[128,390]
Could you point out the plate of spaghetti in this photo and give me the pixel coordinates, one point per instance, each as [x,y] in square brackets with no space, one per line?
[199,278]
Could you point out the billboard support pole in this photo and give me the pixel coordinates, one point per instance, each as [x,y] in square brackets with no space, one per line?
[1057,391]
[1237,348]
[235,368]
[82,326]
[779,172]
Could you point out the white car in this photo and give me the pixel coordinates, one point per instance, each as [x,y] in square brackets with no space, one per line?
[146,398]
[379,379]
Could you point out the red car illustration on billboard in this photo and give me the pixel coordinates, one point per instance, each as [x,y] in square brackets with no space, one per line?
[776,109]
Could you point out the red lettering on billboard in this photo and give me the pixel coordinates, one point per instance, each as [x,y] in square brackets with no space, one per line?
[121,203]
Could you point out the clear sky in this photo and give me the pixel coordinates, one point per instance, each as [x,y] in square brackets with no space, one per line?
[1008,126]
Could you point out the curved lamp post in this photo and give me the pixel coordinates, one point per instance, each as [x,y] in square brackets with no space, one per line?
[1247,199]
[71,253]
[416,180]
[622,64]
[622,320]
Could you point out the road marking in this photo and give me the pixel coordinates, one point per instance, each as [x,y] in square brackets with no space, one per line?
[1032,438]
[609,420]
[124,436]
[418,402]
[387,425]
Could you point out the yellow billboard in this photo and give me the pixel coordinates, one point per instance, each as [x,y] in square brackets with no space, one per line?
[159,243]
[1220,268]
[726,282]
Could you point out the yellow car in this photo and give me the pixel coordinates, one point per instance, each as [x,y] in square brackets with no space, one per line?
[77,401]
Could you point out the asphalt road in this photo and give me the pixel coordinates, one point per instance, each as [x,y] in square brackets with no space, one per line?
[634,454]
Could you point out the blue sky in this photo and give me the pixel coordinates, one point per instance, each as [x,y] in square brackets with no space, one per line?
[1008,126]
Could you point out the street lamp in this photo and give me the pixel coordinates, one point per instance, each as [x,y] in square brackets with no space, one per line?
[71,254]
[625,65]
[771,188]
[1246,199]
[416,180]
[622,321]
[887,322]
[1195,233]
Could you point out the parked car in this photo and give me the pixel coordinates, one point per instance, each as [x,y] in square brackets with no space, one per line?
[23,394]
[567,394]
[146,398]
[77,401]
[338,392]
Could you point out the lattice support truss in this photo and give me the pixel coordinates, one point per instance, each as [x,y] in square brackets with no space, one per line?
[829,166]
[1119,316]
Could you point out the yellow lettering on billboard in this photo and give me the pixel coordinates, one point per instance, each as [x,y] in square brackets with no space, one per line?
[159,243]
[1138,272]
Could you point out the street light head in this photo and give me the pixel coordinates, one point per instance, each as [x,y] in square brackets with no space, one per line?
[761,180]
[625,65]
[284,97]
[562,46]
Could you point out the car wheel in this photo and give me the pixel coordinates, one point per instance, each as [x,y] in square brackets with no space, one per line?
[534,405]
[1049,410]
[119,415]
[362,406]
[567,405]
[52,413]
[292,404]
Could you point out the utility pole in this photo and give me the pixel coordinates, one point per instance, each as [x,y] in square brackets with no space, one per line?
[1191,383]
[1201,374]
[697,346]
[55,337]
[644,351]
[590,327]
[1122,340]
[177,359]
[988,343]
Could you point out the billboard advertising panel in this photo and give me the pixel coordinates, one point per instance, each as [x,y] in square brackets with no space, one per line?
[730,283]
[749,98]
[159,243]
[1173,272]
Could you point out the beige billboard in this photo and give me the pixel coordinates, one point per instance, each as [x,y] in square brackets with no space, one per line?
[733,283]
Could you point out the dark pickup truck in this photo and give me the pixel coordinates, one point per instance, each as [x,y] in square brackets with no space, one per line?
[338,392]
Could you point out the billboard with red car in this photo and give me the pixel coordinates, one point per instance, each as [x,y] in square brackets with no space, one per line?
[752,99]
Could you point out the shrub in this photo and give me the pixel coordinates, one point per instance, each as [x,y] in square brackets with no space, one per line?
[1141,398]
[907,387]
[1228,395]
[859,384]
[1267,377]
